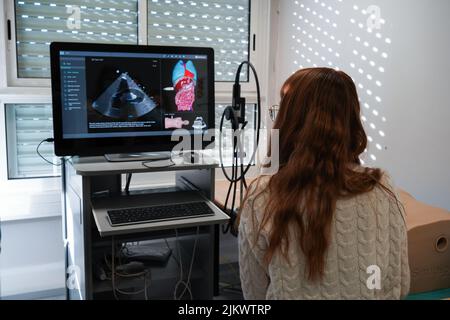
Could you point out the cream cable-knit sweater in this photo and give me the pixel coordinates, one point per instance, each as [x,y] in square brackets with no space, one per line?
[367,230]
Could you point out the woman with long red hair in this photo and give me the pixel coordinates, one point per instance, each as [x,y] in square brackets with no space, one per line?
[323,226]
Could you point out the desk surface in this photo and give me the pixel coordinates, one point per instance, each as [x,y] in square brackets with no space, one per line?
[100,206]
[98,166]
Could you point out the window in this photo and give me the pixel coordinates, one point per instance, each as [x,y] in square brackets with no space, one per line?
[39,23]
[26,126]
[223,25]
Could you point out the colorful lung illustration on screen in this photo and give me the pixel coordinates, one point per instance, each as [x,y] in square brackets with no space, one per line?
[124,99]
[184,79]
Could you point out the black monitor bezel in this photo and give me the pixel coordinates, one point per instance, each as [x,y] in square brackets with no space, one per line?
[101,146]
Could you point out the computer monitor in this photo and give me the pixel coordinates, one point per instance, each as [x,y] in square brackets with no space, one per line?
[120,99]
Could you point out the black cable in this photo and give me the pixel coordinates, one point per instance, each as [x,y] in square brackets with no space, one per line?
[42,157]
[229,113]
[233,184]
[245,181]
[236,168]
[127,184]
[258,97]
[145,164]
[233,121]
[225,228]
[232,211]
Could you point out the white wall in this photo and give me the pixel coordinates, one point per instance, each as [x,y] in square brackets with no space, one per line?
[413,105]
[32,256]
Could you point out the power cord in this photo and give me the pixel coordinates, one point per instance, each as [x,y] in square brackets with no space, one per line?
[187,283]
[127,185]
[146,274]
[194,156]
[146,164]
[172,255]
[49,140]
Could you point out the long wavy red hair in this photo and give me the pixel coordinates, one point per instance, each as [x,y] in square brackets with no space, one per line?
[321,138]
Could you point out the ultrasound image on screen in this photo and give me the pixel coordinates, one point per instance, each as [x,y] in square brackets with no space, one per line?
[123,94]
[124,99]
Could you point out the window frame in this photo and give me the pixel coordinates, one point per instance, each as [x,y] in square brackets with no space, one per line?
[14,90]
[258,9]
[23,185]
[12,146]
[11,51]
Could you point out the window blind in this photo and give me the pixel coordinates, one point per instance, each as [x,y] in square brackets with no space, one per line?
[27,125]
[221,24]
[40,22]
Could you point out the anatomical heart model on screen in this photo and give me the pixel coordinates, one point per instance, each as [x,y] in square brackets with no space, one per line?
[184,78]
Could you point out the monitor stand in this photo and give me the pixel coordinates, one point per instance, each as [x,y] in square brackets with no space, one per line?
[145,156]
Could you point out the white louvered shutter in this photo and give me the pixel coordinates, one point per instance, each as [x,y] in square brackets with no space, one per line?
[220,24]
[39,22]
[27,125]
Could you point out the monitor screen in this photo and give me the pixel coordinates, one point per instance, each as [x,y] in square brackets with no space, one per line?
[119,99]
